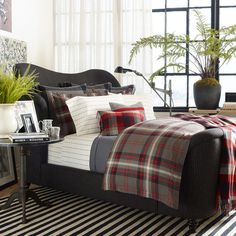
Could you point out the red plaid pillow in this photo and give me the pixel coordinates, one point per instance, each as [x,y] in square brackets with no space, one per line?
[133,107]
[57,101]
[112,123]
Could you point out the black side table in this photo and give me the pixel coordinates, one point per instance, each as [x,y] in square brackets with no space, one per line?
[24,192]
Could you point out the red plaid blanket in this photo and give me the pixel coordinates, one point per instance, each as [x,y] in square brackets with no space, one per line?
[147,159]
[227,175]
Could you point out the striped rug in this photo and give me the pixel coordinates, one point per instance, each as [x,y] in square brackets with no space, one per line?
[77,215]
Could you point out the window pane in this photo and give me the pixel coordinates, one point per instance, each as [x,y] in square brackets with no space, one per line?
[180,17]
[158,4]
[229,67]
[158,23]
[193,32]
[227,85]
[226,19]
[179,88]
[227,2]
[177,3]
[200,3]
[227,16]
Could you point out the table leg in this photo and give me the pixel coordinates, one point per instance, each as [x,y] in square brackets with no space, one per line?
[23,184]
[24,192]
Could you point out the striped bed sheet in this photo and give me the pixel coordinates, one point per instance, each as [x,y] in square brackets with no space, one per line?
[73,151]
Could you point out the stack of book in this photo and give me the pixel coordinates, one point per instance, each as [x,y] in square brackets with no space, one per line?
[28,137]
[229,108]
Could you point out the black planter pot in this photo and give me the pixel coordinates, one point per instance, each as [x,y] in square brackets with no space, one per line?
[206,96]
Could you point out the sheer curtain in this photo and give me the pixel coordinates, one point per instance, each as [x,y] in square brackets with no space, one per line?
[99,33]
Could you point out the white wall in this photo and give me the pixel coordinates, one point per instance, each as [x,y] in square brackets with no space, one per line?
[32,22]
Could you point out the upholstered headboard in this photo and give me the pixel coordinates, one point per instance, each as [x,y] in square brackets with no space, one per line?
[53,78]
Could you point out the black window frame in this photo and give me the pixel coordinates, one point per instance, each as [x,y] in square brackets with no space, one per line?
[215,23]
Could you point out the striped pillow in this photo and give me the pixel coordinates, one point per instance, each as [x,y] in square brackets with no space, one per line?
[113,123]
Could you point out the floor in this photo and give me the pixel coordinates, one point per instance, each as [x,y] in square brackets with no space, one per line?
[6,192]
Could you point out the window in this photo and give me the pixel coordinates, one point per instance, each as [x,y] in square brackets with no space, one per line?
[171,16]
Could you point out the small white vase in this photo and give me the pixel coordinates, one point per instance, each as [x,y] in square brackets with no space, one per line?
[8,123]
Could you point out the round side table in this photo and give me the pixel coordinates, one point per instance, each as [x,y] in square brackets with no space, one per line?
[24,192]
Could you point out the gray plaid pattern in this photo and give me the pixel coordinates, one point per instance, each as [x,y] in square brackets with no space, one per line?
[147,159]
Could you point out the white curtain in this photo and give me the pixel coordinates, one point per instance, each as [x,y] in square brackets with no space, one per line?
[99,33]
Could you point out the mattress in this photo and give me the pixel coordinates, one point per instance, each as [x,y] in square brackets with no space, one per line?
[73,151]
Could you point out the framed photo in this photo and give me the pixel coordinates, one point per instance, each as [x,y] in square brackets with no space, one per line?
[28,123]
[8,174]
[24,108]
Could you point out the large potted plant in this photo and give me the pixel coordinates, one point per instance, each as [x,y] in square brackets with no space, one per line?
[205,50]
[12,88]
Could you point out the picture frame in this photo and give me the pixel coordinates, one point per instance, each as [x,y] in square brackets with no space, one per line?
[28,123]
[8,175]
[26,107]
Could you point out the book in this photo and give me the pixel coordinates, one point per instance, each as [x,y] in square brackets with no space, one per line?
[28,137]
[229,106]
[22,140]
[204,111]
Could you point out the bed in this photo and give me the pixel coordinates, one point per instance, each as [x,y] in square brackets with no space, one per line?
[200,173]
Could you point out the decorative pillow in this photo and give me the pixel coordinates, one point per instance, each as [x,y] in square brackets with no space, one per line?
[129,89]
[84,111]
[121,107]
[133,107]
[147,101]
[107,86]
[112,123]
[57,106]
[96,92]
[44,89]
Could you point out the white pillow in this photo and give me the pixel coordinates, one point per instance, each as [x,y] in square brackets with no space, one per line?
[84,110]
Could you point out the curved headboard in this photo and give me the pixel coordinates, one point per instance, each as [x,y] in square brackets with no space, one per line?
[52,78]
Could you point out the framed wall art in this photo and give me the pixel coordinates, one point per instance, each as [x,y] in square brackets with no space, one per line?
[5,15]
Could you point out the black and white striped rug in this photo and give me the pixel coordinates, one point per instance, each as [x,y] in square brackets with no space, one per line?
[76,215]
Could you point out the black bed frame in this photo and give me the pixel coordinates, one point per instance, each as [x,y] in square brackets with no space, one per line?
[200,173]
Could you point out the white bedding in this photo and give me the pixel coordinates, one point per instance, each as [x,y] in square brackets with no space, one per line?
[73,151]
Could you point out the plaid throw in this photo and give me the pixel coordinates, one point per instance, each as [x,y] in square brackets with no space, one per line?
[147,159]
[227,175]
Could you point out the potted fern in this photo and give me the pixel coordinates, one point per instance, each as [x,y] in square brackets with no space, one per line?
[12,88]
[205,51]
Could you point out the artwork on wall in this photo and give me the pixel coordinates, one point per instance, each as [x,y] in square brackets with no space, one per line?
[5,15]
[7,168]
[12,51]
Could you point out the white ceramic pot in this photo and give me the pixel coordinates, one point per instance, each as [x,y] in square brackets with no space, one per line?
[8,123]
